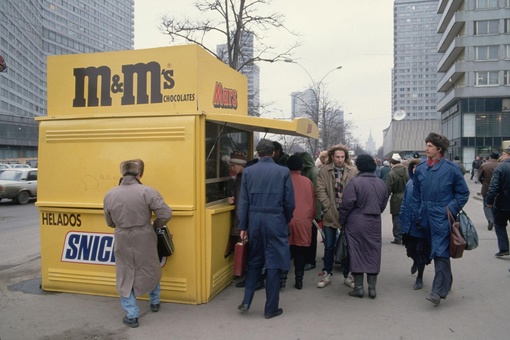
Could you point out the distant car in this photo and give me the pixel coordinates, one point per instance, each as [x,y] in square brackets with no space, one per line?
[18,166]
[18,184]
[5,166]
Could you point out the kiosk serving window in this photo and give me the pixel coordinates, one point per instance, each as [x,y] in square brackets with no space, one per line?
[221,141]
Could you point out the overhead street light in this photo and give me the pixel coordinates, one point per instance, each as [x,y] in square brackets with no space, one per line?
[316,92]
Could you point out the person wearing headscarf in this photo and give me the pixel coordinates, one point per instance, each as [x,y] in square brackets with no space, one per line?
[438,186]
[364,199]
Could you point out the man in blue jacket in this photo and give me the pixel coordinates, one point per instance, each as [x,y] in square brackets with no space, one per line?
[498,198]
[265,209]
[438,185]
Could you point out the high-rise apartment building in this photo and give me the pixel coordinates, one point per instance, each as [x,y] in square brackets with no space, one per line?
[414,76]
[247,67]
[303,104]
[31,30]
[474,71]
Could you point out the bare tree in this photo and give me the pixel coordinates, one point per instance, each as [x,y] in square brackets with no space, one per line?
[231,18]
[327,115]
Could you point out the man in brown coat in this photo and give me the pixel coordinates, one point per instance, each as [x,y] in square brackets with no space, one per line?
[128,208]
[484,176]
[331,181]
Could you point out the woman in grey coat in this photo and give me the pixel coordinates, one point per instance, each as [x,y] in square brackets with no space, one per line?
[363,201]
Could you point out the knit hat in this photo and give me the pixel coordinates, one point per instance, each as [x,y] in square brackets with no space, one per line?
[238,158]
[386,163]
[416,154]
[295,163]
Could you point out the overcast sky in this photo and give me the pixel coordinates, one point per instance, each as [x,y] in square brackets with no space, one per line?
[357,35]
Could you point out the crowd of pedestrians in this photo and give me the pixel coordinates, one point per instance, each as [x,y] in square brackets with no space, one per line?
[282,202]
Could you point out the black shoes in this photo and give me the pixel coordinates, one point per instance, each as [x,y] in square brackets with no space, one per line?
[243,307]
[395,241]
[434,298]
[490,226]
[502,253]
[275,314]
[241,284]
[155,307]
[133,322]
[414,268]
[418,284]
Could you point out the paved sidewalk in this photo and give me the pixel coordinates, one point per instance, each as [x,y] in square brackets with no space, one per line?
[477,307]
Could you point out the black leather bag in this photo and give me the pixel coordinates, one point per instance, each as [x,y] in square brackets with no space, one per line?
[341,251]
[165,243]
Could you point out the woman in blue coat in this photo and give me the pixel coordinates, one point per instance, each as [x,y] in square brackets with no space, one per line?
[438,184]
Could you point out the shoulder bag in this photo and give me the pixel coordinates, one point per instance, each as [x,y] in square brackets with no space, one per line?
[468,230]
[457,242]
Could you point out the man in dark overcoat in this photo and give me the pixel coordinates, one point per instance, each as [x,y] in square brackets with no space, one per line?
[265,208]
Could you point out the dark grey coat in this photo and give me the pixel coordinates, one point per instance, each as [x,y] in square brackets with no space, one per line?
[363,201]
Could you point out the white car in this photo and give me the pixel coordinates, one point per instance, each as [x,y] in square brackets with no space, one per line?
[5,166]
[19,184]
[18,166]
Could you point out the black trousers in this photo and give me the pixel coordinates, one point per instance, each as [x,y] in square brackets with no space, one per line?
[299,254]
[311,252]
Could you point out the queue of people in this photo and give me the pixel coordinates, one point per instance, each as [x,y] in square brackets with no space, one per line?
[279,199]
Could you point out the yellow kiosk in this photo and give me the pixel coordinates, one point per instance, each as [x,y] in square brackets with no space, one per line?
[180,110]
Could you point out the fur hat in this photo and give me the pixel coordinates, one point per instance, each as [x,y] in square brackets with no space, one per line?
[494,155]
[295,163]
[238,158]
[132,167]
[396,158]
[386,163]
[438,141]
[365,163]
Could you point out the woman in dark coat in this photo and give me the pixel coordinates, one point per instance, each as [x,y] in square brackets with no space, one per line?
[413,236]
[363,201]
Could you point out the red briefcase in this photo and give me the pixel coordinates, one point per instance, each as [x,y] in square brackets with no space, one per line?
[240,255]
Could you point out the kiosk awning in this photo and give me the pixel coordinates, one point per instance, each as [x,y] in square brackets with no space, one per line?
[297,127]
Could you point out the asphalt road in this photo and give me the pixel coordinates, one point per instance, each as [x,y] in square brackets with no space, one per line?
[476,308]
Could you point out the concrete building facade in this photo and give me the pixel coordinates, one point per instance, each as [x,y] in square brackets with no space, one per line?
[31,30]
[474,74]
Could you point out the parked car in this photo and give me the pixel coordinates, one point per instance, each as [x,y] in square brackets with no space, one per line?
[17,166]
[5,166]
[18,184]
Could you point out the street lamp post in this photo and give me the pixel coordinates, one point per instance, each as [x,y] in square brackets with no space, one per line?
[316,92]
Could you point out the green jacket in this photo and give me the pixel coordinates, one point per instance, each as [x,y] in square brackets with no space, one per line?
[396,185]
[311,171]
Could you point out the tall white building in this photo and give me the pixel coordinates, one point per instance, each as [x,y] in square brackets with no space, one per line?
[414,76]
[303,104]
[31,30]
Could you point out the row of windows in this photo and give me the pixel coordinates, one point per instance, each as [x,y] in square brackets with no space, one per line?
[492,52]
[492,78]
[490,4]
[489,27]
[10,108]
